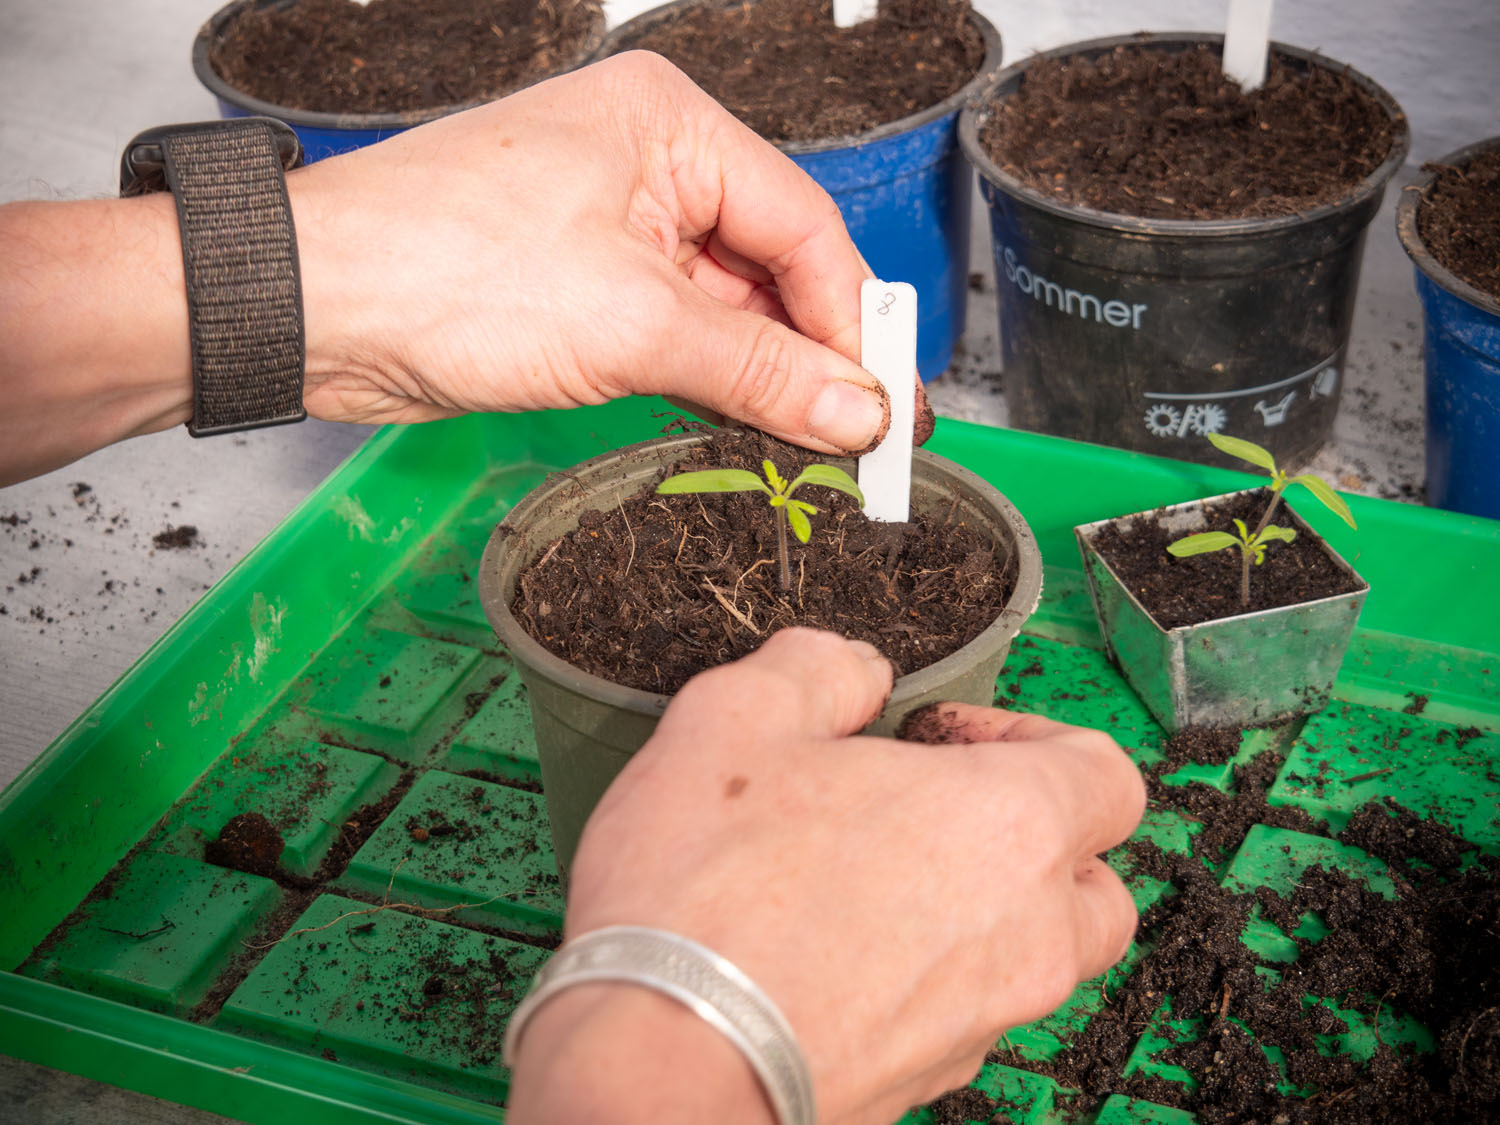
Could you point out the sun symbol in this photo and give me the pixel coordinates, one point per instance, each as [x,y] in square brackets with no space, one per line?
[1162,420]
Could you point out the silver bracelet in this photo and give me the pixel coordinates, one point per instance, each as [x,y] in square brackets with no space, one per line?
[708,984]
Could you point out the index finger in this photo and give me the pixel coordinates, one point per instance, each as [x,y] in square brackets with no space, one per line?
[1103,788]
[771,214]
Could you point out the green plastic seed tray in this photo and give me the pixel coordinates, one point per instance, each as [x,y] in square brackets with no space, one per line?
[295,863]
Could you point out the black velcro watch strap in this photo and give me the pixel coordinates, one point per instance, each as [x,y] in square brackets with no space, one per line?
[239,256]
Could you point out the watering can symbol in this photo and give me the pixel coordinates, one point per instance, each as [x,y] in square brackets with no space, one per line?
[1275,415]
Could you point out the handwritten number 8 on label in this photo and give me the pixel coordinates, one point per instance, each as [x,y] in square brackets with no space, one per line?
[885,305]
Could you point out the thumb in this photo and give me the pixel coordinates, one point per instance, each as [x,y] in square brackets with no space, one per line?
[757,370]
[802,683]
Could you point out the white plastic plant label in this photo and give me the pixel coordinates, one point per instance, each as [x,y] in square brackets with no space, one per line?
[888,351]
[847,13]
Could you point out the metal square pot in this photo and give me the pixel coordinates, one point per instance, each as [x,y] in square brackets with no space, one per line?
[1245,670]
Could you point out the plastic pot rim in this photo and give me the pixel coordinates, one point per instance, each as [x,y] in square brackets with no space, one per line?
[976,114]
[212,31]
[961,98]
[529,652]
[1416,249]
[1084,534]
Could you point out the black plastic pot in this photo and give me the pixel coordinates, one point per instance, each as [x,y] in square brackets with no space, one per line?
[1148,333]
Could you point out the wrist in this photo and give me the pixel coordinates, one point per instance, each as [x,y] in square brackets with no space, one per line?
[618,1053]
[94,326]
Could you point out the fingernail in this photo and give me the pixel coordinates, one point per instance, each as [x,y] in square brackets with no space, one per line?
[849,416]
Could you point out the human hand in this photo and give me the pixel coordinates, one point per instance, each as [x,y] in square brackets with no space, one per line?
[903,904]
[609,232]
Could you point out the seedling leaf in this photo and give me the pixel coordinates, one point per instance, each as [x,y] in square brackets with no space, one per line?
[829,476]
[1244,450]
[778,482]
[1272,531]
[713,480]
[1202,543]
[801,525]
[1331,499]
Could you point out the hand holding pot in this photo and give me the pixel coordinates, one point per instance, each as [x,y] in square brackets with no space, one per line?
[902,904]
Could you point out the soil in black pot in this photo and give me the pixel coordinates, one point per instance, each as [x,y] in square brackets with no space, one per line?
[1161,133]
[662,587]
[1459,220]
[785,69]
[394,56]
[1188,591]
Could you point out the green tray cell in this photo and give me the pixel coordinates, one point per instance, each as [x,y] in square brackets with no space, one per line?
[1276,858]
[160,935]
[1043,1039]
[1120,1110]
[305,789]
[498,738]
[401,995]
[454,841]
[1349,755]
[384,683]
[1026,1098]
[1076,684]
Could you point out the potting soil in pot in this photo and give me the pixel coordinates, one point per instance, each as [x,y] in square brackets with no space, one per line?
[390,56]
[1163,134]
[655,591]
[1187,591]
[1459,220]
[785,69]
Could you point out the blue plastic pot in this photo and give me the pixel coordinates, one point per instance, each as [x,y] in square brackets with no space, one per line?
[903,189]
[325,134]
[1461,335]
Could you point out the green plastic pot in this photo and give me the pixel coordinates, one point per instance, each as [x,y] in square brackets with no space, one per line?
[1242,671]
[588,727]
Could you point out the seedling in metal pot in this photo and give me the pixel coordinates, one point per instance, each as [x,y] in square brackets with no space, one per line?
[1252,544]
[780,492]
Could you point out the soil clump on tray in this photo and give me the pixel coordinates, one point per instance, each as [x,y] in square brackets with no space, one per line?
[651,592]
[1161,133]
[397,56]
[1459,220]
[1188,591]
[786,70]
[1427,954]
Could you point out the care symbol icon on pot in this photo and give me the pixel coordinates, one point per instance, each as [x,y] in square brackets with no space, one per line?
[1324,383]
[1197,418]
[1275,415]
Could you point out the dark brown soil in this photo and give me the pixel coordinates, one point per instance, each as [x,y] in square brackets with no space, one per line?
[1187,591]
[392,56]
[655,591]
[1429,955]
[1459,220]
[785,69]
[1160,133]
[248,842]
[176,538]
